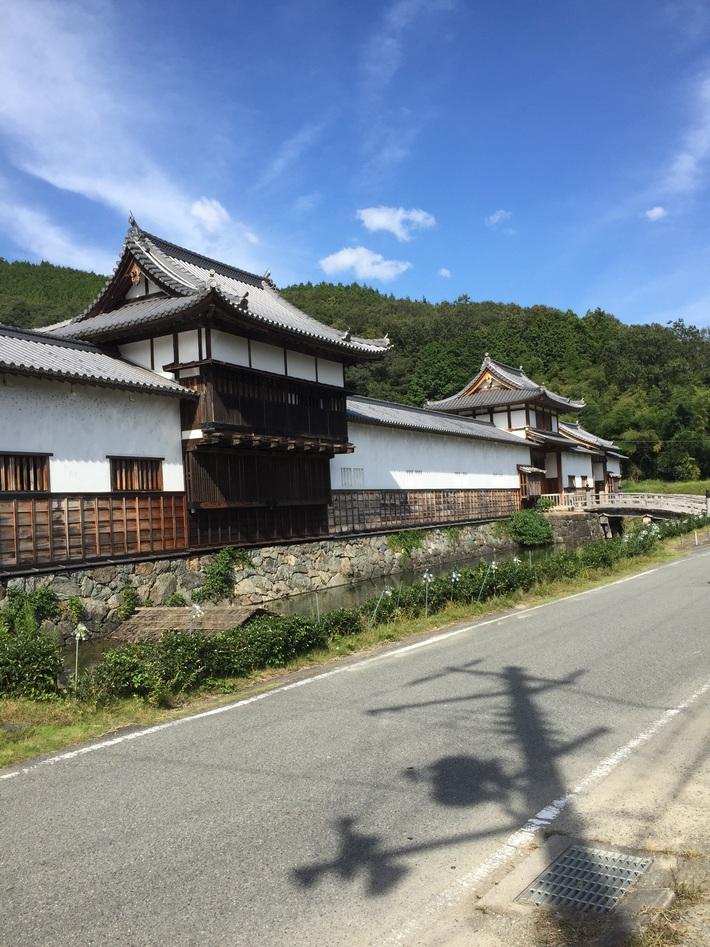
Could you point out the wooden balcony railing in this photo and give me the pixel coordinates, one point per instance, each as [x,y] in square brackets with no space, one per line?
[39,531]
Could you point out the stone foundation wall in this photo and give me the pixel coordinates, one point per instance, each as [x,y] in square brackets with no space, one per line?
[276,571]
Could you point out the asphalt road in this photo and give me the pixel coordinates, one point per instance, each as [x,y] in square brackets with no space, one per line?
[333,812]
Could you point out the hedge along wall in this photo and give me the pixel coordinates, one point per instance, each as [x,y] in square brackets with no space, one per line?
[277,571]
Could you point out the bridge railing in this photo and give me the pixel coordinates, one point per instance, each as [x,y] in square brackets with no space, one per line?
[680,503]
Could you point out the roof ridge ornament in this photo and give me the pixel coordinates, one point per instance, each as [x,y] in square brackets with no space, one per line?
[132,222]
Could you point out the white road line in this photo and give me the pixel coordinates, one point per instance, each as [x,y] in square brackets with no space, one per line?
[524,837]
[349,668]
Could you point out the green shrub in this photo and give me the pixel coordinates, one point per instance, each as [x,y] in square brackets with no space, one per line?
[70,610]
[530,528]
[176,600]
[129,603]
[219,575]
[406,541]
[544,503]
[30,660]
[30,609]
[129,670]
[341,622]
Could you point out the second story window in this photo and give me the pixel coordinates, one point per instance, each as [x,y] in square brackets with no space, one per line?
[136,474]
[24,473]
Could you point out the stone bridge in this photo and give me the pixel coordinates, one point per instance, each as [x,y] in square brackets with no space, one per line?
[633,504]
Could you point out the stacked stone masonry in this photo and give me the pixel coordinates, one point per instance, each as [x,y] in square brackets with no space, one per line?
[277,571]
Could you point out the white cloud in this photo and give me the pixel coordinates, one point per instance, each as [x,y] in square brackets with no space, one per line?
[655,213]
[445,272]
[210,213]
[69,121]
[498,217]
[289,153]
[364,263]
[396,220]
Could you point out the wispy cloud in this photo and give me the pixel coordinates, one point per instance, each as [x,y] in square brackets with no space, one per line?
[445,272]
[32,230]
[364,263]
[396,220]
[389,132]
[687,170]
[289,153]
[307,202]
[499,220]
[498,217]
[68,120]
[655,213]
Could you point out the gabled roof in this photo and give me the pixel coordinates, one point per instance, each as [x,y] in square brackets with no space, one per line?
[510,380]
[25,352]
[363,410]
[185,279]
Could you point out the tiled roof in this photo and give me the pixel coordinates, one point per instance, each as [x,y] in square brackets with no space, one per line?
[578,433]
[24,352]
[190,276]
[363,410]
[526,389]
[140,312]
[489,398]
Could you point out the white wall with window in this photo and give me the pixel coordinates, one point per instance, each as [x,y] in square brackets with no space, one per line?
[82,427]
[576,471]
[394,458]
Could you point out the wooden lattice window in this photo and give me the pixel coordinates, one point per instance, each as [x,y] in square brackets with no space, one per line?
[24,473]
[132,474]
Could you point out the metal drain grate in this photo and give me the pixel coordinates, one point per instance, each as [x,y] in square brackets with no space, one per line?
[588,879]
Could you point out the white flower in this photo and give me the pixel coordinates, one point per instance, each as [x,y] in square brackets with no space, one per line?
[387,591]
[427,577]
[81,632]
[455,576]
[516,560]
[493,566]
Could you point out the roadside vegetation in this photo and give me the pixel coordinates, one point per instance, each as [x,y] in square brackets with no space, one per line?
[149,681]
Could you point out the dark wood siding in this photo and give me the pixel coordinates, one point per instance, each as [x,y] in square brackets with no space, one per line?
[359,511]
[62,529]
[258,403]
[223,477]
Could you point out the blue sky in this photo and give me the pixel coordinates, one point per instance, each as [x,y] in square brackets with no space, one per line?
[554,152]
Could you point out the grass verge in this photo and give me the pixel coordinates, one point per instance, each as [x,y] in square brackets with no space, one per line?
[33,728]
[663,486]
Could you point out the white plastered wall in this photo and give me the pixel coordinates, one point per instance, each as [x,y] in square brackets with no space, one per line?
[392,458]
[81,425]
[613,466]
[577,466]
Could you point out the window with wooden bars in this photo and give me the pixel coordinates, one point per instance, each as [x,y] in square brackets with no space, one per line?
[132,474]
[24,473]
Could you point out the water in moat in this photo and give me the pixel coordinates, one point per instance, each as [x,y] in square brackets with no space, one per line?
[355,593]
[312,604]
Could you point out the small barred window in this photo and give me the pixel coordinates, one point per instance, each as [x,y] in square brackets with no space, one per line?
[24,473]
[136,474]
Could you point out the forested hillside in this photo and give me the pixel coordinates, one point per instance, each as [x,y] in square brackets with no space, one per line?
[647,386]
[36,294]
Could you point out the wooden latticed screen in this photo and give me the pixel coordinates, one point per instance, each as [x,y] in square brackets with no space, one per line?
[24,473]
